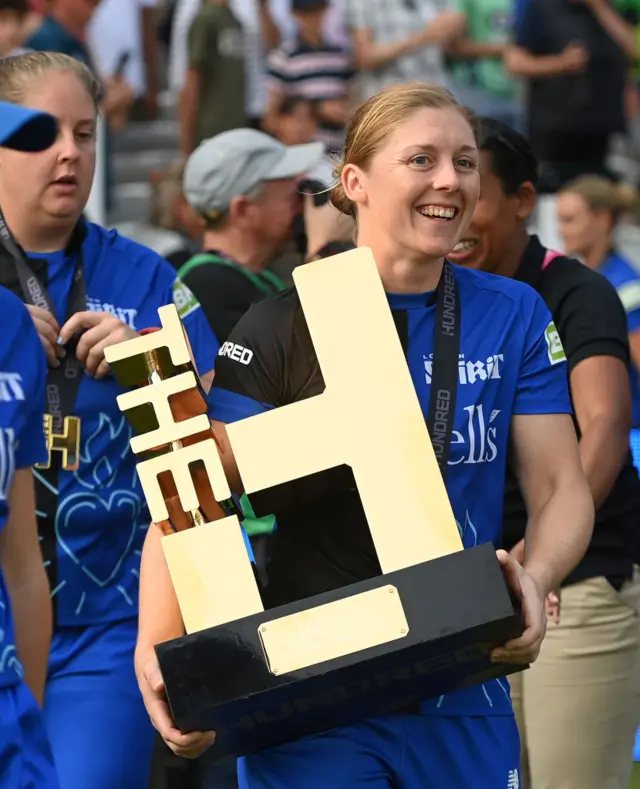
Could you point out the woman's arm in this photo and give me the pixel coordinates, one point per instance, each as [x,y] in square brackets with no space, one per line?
[468,49]
[371,55]
[634,344]
[601,397]
[160,620]
[561,514]
[27,583]
[270,31]
[615,26]
[522,63]
[558,500]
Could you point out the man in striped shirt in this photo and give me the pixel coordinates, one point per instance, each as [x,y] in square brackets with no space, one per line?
[311,68]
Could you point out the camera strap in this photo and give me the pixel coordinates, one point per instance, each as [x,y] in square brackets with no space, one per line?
[444,376]
[63,381]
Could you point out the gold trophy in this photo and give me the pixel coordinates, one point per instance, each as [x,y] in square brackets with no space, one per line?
[259,678]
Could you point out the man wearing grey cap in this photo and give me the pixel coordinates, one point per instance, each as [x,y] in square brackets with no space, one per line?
[244,185]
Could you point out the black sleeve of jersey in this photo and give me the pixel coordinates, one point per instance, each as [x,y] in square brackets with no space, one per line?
[589,315]
[224,295]
[270,362]
[261,370]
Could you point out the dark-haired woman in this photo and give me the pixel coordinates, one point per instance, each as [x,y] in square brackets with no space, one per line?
[576,707]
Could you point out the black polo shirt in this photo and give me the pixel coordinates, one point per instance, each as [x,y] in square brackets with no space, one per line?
[567,112]
[225,293]
[591,322]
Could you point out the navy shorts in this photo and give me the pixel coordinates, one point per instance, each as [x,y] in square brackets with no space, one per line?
[399,751]
[100,733]
[25,757]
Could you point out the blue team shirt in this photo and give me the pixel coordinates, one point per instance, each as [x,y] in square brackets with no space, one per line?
[626,280]
[511,362]
[22,443]
[102,516]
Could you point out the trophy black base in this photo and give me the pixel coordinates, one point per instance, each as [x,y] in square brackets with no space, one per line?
[458,608]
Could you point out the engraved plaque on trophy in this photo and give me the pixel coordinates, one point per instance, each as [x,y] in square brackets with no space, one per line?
[423,628]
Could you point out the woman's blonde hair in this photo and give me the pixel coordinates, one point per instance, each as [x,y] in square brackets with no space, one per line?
[601,194]
[19,72]
[377,117]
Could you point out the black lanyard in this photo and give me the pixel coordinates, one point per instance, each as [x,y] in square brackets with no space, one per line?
[63,381]
[444,375]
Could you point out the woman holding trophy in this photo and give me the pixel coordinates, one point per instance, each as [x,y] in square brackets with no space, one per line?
[410,178]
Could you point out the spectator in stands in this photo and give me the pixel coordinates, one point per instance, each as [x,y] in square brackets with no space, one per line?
[213,98]
[175,227]
[576,91]
[261,34]
[13,15]
[296,121]
[589,210]
[128,27]
[244,184]
[310,67]
[401,40]
[64,29]
[481,80]
[577,706]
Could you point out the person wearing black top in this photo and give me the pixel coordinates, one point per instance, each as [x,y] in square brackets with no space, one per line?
[576,58]
[244,185]
[410,176]
[576,707]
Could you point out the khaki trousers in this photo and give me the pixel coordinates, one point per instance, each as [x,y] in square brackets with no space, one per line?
[578,706]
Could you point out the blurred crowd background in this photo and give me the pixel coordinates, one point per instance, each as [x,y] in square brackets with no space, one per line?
[176,72]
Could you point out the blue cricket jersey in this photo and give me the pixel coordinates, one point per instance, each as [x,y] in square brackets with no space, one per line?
[23,368]
[102,516]
[626,281]
[511,362]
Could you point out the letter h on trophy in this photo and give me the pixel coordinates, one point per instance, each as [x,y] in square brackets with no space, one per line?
[67,442]
[425,627]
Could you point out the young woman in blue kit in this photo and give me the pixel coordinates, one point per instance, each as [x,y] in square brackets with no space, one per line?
[25,612]
[589,210]
[410,176]
[85,288]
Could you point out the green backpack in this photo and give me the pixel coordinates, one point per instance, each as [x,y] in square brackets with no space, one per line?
[269,284]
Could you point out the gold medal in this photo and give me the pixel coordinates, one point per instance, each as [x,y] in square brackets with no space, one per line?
[67,442]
